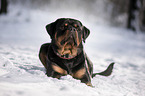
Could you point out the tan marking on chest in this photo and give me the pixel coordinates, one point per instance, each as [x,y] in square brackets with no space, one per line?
[59,70]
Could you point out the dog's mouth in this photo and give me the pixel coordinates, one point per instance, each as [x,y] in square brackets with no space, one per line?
[71,38]
[68,50]
[68,44]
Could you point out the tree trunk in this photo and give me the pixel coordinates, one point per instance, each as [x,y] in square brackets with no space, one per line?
[131,15]
[142,15]
[4,4]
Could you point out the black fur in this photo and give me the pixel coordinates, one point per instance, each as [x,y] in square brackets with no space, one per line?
[57,57]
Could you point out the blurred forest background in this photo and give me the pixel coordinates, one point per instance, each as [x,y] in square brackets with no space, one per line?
[123,13]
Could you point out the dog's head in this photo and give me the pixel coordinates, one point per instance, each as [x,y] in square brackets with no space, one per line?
[67,36]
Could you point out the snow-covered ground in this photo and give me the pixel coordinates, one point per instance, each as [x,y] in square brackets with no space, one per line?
[22,74]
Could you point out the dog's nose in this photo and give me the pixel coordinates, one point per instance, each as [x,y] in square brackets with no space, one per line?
[72,29]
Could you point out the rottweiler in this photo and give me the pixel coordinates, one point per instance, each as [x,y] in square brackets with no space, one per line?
[65,54]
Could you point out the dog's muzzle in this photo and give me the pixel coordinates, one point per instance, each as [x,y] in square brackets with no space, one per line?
[72,37]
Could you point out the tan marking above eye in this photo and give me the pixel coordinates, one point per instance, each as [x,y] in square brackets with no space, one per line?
[65,24]
[75,25]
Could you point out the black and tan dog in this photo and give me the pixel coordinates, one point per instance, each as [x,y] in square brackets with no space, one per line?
[65,54]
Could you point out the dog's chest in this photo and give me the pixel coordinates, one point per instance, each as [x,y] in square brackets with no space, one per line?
[69,65]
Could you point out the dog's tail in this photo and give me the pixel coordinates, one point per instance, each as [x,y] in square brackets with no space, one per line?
[107,72]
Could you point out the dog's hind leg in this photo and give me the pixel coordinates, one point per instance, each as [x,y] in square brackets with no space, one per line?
[43,53]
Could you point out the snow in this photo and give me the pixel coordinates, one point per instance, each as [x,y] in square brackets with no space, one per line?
[22,74]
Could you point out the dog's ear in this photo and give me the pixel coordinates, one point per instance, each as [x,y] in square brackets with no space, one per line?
[85,33]
[51,29]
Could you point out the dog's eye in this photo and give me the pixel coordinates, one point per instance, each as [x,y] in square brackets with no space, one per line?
[75,25]
[62,27]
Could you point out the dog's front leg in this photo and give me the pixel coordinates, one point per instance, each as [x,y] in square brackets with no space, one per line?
[51,72]
[87,76]
[86,79]
[83,74]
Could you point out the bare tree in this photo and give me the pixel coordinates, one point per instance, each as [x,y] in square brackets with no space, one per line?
[138,6]
[131,15]
[4,4]
[142,15]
